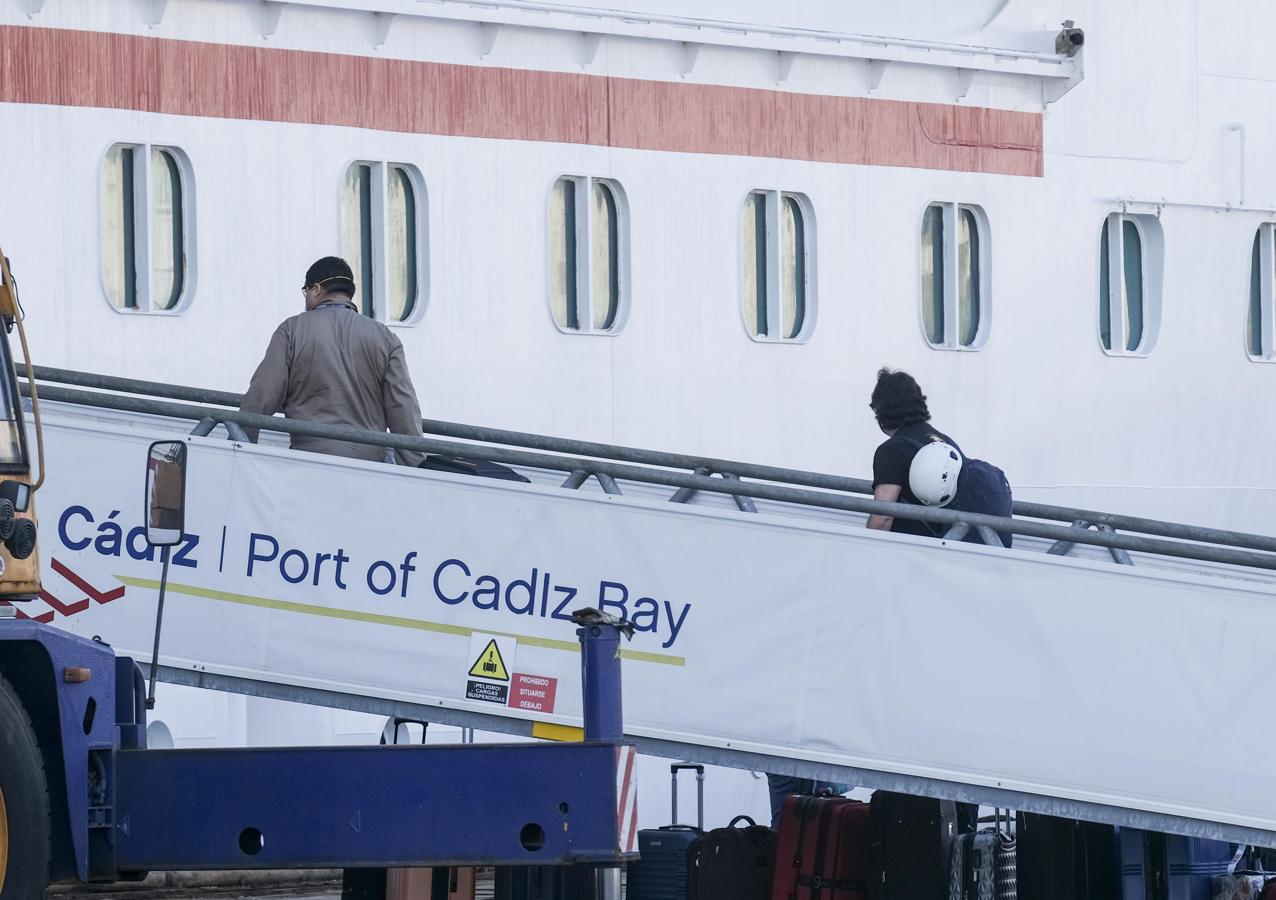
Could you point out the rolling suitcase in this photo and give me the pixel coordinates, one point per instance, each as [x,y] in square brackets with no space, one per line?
[822,850]
[909,844]
[661,870]
[1064,859]
[731,862]
[972,874]
[984,865]
[1158,866]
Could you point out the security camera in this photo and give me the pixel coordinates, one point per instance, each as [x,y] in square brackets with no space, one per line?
[1069,40]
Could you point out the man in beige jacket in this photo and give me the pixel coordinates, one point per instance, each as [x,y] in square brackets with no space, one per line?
[330,364]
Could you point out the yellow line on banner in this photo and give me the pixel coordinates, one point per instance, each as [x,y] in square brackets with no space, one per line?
[350,615]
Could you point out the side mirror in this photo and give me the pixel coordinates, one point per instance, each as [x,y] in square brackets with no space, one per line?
[165,493]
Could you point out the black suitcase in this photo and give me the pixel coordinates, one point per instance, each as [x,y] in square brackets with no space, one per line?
[661,870]
[738,863]
[469,465]
[909,844]
[1063,859]
[974,863]
[549,883]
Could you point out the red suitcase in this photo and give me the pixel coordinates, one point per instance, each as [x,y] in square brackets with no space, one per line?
[822,852]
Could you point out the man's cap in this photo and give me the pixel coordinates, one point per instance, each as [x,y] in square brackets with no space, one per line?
[333,274]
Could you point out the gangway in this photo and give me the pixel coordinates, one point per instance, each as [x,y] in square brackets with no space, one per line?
[774,631]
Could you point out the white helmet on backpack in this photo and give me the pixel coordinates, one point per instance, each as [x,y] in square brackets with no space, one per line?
[932,477]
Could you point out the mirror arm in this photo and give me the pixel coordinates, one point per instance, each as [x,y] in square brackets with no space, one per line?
[159,620]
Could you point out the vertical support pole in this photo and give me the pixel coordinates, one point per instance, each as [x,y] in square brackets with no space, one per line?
[611,884]
[700,798]
[600,682]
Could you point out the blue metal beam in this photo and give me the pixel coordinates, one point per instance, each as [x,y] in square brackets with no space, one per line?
[349,807]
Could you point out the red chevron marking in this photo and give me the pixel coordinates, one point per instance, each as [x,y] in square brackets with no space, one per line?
[66,609]
[43,618]
[94,593]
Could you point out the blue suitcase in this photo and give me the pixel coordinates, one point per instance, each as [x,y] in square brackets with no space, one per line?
[1168,866]
[661,870]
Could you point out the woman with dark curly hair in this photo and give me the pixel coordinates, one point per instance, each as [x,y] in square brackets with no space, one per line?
[902,414]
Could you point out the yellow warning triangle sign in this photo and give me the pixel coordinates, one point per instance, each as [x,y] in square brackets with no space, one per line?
[490,665]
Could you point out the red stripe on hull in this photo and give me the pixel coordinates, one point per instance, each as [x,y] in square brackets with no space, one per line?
[94,69]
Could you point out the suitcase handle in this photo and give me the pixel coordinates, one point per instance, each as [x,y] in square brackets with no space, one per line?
[673,774]
[748,819]
[399,721]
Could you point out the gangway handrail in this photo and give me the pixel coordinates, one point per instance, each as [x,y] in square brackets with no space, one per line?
[710,465]
[674,479]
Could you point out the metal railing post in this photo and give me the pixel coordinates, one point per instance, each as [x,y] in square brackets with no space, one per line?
[989,536]
[684,494]
[1119,556]
[1063,548]
[742,502]
[608,484]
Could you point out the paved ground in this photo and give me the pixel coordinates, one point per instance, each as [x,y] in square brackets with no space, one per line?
[304,891]
[278,889]
[316,885]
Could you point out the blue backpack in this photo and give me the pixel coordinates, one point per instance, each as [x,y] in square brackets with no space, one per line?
[981,488]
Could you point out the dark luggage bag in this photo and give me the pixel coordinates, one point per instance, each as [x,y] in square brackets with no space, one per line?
[822,850]
[661,870]
[1158,866]
[909,844]
[984,865]
[738,863]
[981,488]
[1064,859]
[469,465]
[972,873]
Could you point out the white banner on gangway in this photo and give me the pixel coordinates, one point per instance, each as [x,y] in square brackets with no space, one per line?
[1100,683]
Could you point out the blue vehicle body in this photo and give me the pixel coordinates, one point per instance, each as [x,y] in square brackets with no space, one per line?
[118,810]
[74,723]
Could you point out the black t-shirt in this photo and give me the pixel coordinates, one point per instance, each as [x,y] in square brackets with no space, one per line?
[891,463]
